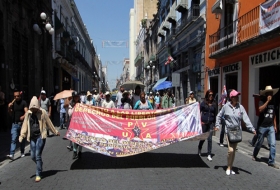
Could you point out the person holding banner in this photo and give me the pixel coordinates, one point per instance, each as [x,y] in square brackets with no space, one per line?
[143,104]
[108,103]
[74,101]
[208,111]
[233,112]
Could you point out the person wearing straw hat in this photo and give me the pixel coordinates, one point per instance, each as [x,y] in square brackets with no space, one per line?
[90,100]
[108,103]
[267,124]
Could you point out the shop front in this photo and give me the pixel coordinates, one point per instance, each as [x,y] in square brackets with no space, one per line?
[264,71]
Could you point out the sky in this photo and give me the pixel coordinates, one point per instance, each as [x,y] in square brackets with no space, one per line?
[108,20]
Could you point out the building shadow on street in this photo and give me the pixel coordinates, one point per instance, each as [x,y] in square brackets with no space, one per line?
[92,160]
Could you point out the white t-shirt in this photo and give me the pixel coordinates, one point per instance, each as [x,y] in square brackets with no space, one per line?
[109,104]
[118,98]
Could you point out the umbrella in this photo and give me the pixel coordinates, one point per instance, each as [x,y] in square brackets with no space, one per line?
[163,85]
[63,94]
[132,84]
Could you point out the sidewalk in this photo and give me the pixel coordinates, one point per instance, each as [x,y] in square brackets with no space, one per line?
[247,149]
[5,142]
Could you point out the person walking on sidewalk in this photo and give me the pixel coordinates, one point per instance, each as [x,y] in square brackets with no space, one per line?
[208,110]
[17,109]
[233,112]
[74,101]
[45,104]
[34,129]
[267,125]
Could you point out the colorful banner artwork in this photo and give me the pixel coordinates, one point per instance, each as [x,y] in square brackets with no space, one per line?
[269,16]
[119,132]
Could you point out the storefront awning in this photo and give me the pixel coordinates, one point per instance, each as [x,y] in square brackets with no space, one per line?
[217,7]
[159,82]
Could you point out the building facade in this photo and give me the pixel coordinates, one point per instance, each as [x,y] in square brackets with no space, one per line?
[181,37]
[26,54]
[245,53]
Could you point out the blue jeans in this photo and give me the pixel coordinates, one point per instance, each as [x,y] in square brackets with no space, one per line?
[15,132]
[37,146]
[270,132]
[62,119]
[206,128]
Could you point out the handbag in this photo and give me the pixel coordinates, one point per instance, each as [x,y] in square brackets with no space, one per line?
[234,134]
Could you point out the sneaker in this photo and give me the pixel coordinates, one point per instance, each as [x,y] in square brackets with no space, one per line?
[199,152]
[209,158]
[38,178]
[254,158]
[11,157]
[75,155]
[232,172]
[274,166]
[221,144]
[22,155]
[69,148]
[228,172]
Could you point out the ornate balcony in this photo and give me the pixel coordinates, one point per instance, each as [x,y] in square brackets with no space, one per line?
[234,36]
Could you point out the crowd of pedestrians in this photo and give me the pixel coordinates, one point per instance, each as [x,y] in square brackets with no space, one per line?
[33,122]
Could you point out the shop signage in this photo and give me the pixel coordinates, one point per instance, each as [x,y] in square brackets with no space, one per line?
[231,68]
[213,72]
[265,57]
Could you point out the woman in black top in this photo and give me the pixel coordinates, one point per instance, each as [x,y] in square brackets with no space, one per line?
[208,111]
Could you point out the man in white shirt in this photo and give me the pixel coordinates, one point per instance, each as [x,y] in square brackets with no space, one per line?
[119,97]
[96,97]
[108,103]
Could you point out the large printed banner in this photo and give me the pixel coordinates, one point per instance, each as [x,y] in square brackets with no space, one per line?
[119,132]
[269,16]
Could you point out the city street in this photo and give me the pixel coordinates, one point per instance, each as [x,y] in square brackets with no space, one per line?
[174,167]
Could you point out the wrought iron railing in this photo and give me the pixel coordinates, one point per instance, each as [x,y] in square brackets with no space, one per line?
[242,29]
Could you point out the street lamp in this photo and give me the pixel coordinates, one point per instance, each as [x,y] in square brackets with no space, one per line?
[46,22]
[151,67]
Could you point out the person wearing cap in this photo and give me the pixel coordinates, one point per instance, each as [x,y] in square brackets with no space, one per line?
[45,104]
[267,124]
[90,100]
[157,101]
[126,101]
[108,103]
[233,113]
[34,129]
[191,97]
[75,100]
[96,98]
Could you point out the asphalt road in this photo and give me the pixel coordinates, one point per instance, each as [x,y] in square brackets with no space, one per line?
[174,167]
